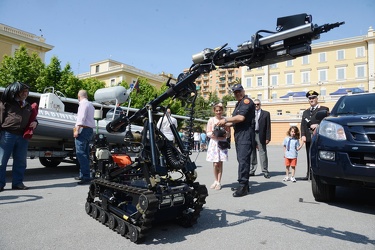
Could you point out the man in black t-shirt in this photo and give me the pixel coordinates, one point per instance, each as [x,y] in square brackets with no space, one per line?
[242,122]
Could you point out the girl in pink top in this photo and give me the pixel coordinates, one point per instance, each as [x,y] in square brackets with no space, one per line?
[214,153]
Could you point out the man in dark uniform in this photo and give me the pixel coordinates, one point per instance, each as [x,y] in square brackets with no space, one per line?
[309,123]
[242,122]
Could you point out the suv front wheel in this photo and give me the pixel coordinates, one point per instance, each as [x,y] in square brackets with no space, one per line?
[321,191]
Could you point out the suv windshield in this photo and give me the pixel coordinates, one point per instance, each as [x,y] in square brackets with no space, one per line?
[355,104]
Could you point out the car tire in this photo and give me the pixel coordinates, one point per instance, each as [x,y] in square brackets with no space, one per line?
[50,162]
[321,191]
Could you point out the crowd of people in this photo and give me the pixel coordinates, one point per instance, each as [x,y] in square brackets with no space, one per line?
[251,125]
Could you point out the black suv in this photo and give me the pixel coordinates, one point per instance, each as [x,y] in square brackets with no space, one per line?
[343,146]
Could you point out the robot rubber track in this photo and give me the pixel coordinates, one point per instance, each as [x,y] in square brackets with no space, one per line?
[130,226]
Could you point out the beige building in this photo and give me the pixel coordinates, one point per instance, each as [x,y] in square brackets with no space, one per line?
[219,81]
[112,73]
[334,68]
[11,39]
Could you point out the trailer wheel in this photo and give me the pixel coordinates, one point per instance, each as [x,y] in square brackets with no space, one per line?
[50,162]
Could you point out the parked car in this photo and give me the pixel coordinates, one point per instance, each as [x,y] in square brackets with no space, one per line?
[343,146]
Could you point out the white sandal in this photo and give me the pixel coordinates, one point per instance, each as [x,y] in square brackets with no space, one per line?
[213,186]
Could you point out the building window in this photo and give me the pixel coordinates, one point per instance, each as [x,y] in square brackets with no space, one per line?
[323,92]
[273,66]
[259,96]
[259,81]
[360,52]
[289,63]
[279,112]
[274,80]
[289,79]
[360,71]
[274,96]
[97,69]
[113,82]
[322,74]
[248,82]
[340,74]
[305,77]
[305,60]
[322,57]
[340,54]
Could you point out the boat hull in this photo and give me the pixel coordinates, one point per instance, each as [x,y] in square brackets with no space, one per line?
[55,130]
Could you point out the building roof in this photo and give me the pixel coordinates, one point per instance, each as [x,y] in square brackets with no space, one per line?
[344,91]
[294,94]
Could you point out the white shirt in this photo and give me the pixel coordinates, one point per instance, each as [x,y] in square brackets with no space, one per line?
[197,136]
[257,114]
[164,126]
[85,114]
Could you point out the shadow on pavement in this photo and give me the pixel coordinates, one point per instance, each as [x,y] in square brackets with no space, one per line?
[43,173]
[217,218]
[355,199]
[12,199]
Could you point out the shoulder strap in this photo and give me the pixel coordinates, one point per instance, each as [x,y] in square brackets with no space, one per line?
[2,112]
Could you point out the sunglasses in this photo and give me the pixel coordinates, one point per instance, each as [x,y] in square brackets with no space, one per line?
[257,104]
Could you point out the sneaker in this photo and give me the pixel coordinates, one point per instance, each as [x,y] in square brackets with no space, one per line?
[218,186]
[286,178]
[293,179]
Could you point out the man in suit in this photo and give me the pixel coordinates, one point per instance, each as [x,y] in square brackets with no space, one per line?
[262,138]
[309,123]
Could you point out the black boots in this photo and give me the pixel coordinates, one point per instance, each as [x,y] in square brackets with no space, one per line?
[242,190]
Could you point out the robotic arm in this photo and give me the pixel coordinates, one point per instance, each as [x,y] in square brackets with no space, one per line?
[292,39]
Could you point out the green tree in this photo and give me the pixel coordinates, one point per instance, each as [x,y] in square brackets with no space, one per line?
[50,76]
[202,108]
[91,85]
[176,105]
[213,98]
[22,67]
[140,98]
[237,81]
[70,84]
[227,98]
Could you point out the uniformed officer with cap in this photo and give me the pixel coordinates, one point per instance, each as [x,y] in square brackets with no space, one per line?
[309,124]
[242,122]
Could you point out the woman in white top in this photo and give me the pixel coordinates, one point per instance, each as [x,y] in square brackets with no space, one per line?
[216,154]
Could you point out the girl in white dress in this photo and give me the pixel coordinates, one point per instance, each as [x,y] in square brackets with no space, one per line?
[214,153]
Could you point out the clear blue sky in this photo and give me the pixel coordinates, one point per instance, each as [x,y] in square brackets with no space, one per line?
[156,35]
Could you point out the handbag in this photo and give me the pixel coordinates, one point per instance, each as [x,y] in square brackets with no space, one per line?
[223,144]
[219,131]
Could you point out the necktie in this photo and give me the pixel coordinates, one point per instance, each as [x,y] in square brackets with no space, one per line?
[21,103]
[256,120]
[288,146]
[312,110]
